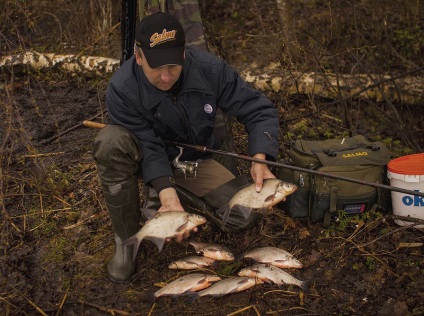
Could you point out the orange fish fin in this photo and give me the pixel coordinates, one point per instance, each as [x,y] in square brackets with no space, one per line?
[269,198]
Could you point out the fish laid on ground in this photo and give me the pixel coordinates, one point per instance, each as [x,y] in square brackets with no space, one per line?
[165,225]
[228,286]
[247,199]
[275,256]
[213,251]
[191,262]
[187,284]
[271,274]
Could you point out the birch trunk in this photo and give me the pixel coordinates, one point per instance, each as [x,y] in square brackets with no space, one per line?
[407,89]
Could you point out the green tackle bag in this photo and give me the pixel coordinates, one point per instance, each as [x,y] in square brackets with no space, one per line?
[319,197]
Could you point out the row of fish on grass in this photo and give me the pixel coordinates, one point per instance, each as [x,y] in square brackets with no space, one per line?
[268,268]
[270,260]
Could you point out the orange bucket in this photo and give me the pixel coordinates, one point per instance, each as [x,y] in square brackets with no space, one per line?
[407,172]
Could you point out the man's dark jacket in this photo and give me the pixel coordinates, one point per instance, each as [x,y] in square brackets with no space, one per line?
[154,116]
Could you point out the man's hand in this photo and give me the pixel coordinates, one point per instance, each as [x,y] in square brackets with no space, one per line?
[170,202]
[260,172]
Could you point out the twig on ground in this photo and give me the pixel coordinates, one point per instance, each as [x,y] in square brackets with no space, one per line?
[245,309]
[38,309]
[62,303]
[388,234]
[111,311]
[152,309]
[44,155]
[45,212]
[79,223]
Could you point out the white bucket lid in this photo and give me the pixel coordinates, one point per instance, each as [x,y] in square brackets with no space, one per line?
[405,177]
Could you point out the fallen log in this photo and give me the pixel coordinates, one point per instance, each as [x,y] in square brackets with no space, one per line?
[49,61]
[406,88]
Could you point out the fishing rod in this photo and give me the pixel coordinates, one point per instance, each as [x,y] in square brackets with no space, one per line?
[128,22]
[291,167]
[277,164]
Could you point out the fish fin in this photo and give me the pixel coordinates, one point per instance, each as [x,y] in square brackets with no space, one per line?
[190,297]
[149,297]
[242,281]
[225,211]
[263,210]
[270,198]
[182,228]
[304,285]
[266,280]
[133,240]
[148,213]
[246,211]
[214,264]
[159,242]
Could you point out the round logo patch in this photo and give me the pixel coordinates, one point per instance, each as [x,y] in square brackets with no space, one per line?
[208,108]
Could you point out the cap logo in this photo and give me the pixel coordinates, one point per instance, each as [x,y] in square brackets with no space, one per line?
[165,36]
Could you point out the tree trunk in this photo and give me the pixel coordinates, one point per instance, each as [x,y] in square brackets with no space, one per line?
[404,88]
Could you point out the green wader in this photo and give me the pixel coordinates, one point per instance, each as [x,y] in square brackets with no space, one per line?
[117,160]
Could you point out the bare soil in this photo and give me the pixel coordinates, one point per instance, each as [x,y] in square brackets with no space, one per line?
[56,236]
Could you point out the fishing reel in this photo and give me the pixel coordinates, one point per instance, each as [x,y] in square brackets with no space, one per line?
[187,167]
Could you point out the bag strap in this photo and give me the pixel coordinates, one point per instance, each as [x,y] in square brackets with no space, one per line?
[333,152]
[333,206]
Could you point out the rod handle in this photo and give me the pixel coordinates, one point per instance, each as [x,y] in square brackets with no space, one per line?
[93,124]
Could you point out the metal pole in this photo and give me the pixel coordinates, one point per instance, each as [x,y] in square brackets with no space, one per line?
[128,21]
[277,164]
[286,166]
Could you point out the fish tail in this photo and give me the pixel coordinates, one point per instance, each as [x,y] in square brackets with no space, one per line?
[149,297]
[304,285]
[214,264]
[224,211]
[133,241]
[190,297]
[244,210]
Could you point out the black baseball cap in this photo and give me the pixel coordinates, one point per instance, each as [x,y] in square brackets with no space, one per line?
[162,39]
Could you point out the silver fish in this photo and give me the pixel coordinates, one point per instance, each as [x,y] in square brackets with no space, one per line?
[213,251]
[247,199]
[275,256]
[187,284]
[191,262]
[271,274]
[165,225]
[228,286]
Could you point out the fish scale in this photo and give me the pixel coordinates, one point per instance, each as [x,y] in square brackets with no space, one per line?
[229,285]
[247,199]
[213,251]
[271,274]
[275,256]
[191,262]
[187,284]
[165,225]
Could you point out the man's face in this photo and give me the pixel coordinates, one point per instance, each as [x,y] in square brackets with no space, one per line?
[163,77]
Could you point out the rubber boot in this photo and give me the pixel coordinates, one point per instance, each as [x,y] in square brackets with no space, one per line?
[122,201]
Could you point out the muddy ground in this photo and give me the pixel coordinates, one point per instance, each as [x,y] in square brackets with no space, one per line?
[56,236]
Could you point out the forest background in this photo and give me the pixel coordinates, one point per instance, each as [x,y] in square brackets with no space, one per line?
[333,69]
